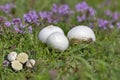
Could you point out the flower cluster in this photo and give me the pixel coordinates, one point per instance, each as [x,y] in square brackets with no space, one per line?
[7,7]
[114,19]
[86,12]
[31,17]
[57,14]
[18,26]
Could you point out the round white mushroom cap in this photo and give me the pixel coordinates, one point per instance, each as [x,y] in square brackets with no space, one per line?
[45,32]
[58,41]
[22,57]
[30,63]
[16,65]
[81,33]
[12,56]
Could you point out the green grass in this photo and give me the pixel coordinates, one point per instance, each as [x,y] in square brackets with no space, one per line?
[94,61]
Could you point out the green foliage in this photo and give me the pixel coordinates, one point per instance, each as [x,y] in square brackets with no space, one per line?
[94,61]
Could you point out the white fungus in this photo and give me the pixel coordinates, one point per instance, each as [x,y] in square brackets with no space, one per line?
[45,32]
[81,33]
[22,57]
[58,41]
[16,65]
[12,56]
[30,63]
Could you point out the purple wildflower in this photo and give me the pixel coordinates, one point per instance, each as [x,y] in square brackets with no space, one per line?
[30,29]
[81,7]
[64,9]
[6,63]
[27,18]
[118,24]
[7,24]
[108,13]
[45,14]
[16,28]
[82,18]
[102,23]
[31,17]
[116,16]
[16,21]
[91,11]
[7,8]
[55,8]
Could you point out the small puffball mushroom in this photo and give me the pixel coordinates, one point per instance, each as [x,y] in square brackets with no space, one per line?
[16,65]
[81,33]
[30,63]
[45,32]
[22,57]
[12,56]
[58,41]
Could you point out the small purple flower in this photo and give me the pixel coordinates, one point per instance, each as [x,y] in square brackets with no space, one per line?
[7,7]
[16,29]
[91,11]
[45,14]
[81,7]
[7,24]
[30,29]
[55,8]
[16,21]
[64,9]
[118,24]
[31,17]
[6,63]
[23,26]
[103,23]
[108,13]
[27,18]
[116,16]
[82,18]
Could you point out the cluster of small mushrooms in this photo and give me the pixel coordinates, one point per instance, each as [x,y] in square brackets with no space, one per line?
[18,60]
[55,38]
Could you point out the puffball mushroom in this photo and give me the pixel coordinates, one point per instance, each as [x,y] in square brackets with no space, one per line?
[30,63]
[45,32]
[16,65]
[81,33]
[58,41]
[22,57]
[12,56]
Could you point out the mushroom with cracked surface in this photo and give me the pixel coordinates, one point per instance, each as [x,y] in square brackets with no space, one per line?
[81,33]
[30,63]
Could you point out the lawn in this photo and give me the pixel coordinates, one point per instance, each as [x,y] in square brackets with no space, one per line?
[99,60]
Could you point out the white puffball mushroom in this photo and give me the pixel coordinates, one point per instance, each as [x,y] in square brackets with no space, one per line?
[16,65]
[81,33]
[22,57]
[45,32]
[12,56]
[30,63]
[58,41]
